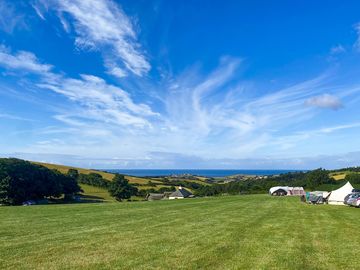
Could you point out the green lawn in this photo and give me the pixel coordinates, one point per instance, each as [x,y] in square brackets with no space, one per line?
[94,194]
[235,232]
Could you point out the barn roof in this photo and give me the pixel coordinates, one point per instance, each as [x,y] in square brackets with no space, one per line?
[155,196]
[181,192]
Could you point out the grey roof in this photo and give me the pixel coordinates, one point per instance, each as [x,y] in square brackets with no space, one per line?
[154,196]
[181,193]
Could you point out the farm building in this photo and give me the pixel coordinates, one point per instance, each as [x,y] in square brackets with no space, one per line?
[181,193]
[337,196]
[286,191]
[154,196]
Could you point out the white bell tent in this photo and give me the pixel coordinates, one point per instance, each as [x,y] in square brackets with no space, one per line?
[337,196]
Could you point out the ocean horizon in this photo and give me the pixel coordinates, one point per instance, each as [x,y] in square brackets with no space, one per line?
[198,172]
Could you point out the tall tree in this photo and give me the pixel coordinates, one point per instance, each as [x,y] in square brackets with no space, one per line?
[120,188]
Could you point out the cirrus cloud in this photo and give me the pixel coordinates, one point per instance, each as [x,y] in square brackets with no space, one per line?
[101,25]
[325,101]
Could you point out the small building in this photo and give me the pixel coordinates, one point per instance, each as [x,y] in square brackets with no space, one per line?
[181,193]
[154,196]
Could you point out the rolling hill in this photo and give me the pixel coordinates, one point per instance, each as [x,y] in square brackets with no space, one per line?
[108,176]
[97,194]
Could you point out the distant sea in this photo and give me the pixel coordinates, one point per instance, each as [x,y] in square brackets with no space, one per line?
[206,173]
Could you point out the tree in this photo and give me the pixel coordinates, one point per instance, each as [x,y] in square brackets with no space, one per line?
[73,173]
[317,177]
[93,179]
[353,178]
[5,190]
[120,188]
[21,181]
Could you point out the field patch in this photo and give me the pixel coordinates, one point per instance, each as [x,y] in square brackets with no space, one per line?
[229,232]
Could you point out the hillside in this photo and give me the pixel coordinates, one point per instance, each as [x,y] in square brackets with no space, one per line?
[143,184]
[228,232]
[105,175]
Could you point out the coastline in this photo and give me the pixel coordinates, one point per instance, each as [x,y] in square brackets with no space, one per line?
[212,173]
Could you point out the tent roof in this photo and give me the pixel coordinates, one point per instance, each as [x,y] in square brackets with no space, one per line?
[337,196]
[273,189]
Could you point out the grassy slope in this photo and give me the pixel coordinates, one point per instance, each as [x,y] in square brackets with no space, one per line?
[93,194]
[109,176]
[239,232]
[105,175]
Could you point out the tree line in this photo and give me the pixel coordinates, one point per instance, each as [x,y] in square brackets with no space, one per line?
[22,180]
[119,187]
[309,180]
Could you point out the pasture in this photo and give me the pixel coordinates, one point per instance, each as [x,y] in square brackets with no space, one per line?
[230,232]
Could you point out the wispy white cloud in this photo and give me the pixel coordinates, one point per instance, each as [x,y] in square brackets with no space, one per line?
[103,26]
[39,11]
[9,17]
[203,112]
[117,72]
[99,101]
[14,117]
[93,99]
[209,114]
[338,49]
[325,101]
[338,127]
[357,42]
[22,60]
[289,141]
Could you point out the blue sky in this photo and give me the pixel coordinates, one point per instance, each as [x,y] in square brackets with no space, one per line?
[181,84]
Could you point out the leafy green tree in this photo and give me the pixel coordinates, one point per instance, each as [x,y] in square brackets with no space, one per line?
[317,177]
[21,181]
[120,188]
[5,190]
[93,179]
[73,173]
[353,178]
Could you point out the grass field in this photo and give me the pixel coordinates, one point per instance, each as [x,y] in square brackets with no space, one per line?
[235,232]
[94,194]
[339,175]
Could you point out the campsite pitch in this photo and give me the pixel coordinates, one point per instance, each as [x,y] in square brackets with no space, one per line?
[235,232]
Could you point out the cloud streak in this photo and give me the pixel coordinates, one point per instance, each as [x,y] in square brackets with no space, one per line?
[101,25]
[93,98]
[25,61]
[200,113]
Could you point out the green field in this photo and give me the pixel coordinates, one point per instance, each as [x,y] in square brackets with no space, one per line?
[232,232]
[94,194]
